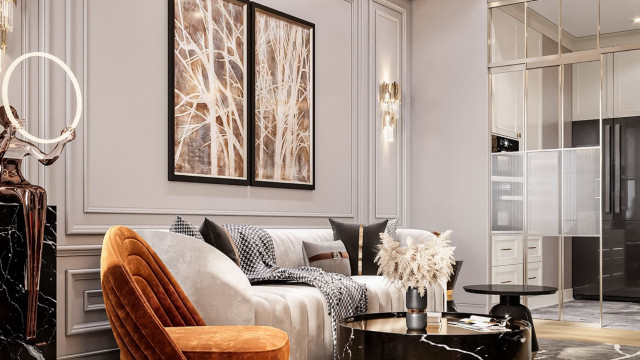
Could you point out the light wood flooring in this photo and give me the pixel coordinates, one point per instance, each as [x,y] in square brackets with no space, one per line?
[573,331]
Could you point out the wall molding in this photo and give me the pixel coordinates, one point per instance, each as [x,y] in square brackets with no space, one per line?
[402,133]
[71,325]
[78,250]
[89,354]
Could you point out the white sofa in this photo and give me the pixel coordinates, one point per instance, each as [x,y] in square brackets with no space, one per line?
[223,295]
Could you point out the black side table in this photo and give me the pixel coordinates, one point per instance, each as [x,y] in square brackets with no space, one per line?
[510,302]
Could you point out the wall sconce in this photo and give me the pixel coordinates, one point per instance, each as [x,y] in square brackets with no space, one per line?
[389,99]
[6,21]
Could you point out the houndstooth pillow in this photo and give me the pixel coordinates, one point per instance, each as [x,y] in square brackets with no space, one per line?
[184,227]
[392,228]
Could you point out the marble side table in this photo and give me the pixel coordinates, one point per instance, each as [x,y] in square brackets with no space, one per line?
[13,292]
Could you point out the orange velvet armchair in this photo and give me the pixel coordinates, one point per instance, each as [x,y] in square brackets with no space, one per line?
[152,318]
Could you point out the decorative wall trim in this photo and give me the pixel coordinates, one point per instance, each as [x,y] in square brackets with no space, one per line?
[89,354]
[93,294]
[79,250]
[402,204]
[73,327]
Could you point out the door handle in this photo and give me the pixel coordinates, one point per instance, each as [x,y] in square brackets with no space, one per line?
[607,169]
[616,168]
[505,282]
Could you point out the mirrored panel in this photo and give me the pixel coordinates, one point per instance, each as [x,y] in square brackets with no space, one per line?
[543,269]
[619,22]
[507,187]
[544,170]
[507,105]
[507,33]
[581,279]
[579,25]
[581,191]
[542,28]
[543,108]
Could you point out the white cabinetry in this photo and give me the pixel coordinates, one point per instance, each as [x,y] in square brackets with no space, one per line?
[508,88]
[507,260]
[507,105]
[586,90]
[626,89]
[620,88]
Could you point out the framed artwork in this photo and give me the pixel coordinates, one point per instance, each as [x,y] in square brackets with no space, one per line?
[282,79]
[208,97]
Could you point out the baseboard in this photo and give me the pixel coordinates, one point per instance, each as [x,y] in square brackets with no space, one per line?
[536,302]
[110,354]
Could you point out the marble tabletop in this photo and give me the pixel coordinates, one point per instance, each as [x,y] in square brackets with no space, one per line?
[385,336]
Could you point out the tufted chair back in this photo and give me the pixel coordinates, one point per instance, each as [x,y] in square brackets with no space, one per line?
[142,298]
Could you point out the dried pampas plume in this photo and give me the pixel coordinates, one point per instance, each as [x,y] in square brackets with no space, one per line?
[419,264]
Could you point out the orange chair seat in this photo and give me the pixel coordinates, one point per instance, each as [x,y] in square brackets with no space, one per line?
[230,342]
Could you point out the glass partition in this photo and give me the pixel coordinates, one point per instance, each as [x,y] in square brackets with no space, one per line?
[543,108]
[507,105]
[507,33]
[543,17]
[565,190]
[579,25]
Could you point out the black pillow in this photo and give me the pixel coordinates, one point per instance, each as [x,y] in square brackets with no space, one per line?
[184,227]
[361,250]
[218,237]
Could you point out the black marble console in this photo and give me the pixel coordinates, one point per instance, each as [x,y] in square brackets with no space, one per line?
[13,293]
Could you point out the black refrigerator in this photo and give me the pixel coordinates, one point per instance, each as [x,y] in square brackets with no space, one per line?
[620,214]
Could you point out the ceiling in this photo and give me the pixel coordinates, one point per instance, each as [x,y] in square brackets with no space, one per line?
[580,17]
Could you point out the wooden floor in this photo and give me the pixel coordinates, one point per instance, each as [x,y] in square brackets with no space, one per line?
[564,330]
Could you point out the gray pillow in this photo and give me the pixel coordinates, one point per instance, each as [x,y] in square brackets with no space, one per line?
[184,227]
[328,256]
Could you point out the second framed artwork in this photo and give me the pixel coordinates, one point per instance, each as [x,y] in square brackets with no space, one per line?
[256,61]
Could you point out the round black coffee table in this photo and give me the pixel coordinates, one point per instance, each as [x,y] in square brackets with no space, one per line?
[510,301]
[382,336]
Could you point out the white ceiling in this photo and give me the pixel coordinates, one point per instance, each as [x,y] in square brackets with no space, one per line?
[580,17]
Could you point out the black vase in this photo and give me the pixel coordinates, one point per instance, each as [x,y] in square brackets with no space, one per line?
[416,310]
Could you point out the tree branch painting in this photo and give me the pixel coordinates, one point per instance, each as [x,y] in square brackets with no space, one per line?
[209,66]
[284,116]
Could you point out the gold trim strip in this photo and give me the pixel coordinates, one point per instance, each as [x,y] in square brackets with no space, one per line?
[449,295]
[360,243]
[416,311]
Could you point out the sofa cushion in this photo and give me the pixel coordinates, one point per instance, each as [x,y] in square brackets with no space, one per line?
[226,342]
[287,244]
[218,237]
[328,256]
[185,227]
[361,242]
[392,229]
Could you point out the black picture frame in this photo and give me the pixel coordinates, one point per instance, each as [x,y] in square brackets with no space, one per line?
[254,7]
[199,178]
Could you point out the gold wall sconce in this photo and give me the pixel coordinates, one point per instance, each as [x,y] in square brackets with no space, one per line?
[390,100]
[6,21]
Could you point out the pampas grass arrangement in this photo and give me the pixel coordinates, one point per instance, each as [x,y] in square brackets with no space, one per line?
[420,264]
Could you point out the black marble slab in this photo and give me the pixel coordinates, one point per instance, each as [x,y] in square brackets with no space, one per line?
[13,293]
[385,336]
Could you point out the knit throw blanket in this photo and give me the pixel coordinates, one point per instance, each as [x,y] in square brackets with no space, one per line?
[345,297]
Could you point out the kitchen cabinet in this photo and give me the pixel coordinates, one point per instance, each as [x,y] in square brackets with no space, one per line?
[586,89]
[626,79]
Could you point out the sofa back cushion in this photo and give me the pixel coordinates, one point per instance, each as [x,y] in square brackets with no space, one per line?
[288,242]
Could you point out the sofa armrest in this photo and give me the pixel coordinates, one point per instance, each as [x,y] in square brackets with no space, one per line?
[216,286]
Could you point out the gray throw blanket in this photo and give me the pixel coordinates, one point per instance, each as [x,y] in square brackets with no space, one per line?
[345,297]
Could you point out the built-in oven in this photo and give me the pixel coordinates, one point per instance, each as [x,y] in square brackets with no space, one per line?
[503,144]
